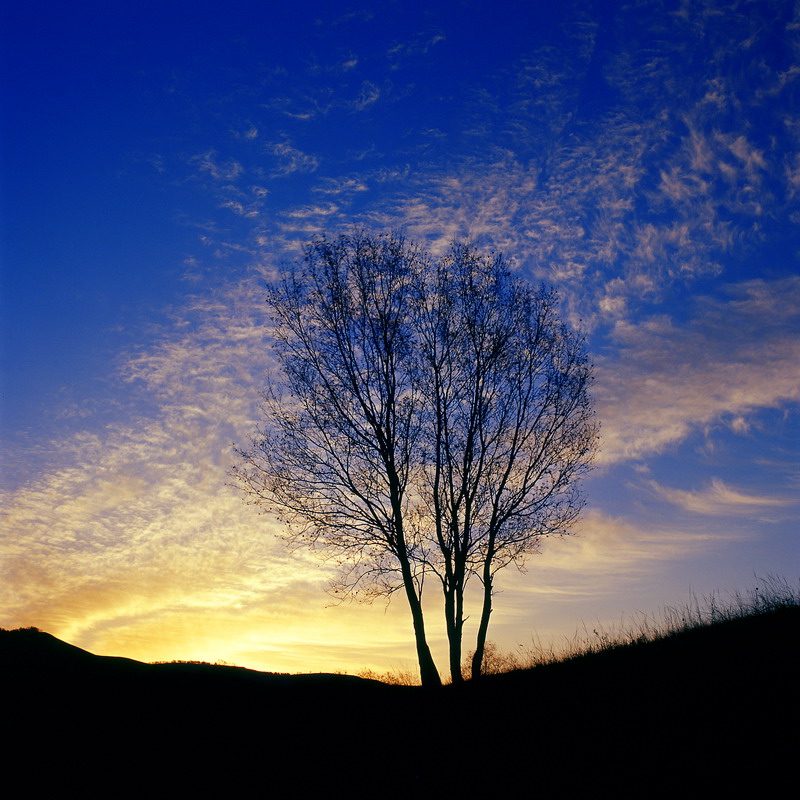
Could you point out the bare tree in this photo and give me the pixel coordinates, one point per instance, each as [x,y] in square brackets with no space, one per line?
[508,429]
[432,420]
[336,458]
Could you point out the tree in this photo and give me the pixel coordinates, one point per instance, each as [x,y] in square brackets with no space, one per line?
[431,420]
[508,428]
[337,458]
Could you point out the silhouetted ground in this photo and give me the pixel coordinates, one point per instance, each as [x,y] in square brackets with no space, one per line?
[704,713]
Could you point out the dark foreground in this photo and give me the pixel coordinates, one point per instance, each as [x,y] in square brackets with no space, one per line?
[704,713]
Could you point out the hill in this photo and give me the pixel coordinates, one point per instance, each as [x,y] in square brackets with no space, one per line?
[700,713]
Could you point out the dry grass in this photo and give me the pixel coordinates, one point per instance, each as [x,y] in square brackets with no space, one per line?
[394,677]
[771,593]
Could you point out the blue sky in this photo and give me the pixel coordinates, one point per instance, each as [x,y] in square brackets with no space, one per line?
[160,160]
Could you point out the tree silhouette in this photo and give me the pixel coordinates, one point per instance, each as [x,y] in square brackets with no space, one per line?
[508,427]
[431,419]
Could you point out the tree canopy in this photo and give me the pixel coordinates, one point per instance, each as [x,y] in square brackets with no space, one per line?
[431,418]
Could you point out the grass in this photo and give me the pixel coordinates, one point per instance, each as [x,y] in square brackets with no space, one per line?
[393,677]
[772,593]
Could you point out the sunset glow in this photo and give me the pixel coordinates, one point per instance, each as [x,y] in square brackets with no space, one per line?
[161,162]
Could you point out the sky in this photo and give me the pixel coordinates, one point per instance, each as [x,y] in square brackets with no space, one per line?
[161,160]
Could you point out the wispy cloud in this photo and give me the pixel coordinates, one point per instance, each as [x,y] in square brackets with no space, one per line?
[313,211]
[132,541]
[368,95]
[606,549]
[137,545]
[138,516]
[719,499]
[210,164]
[413,47]
[343,185]
[583,575]
[737,355]
[136,542]
[619,202]
[292,160]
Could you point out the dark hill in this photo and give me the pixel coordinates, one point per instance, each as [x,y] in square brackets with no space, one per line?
[34,657]
[704,713]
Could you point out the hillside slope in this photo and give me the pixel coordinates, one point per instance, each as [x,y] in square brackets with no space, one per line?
[698,714]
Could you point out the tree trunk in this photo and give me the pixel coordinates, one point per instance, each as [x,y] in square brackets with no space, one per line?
[429,675]
[454,631]
[483,627]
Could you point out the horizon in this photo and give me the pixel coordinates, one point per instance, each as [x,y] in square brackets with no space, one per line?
[774,595]
[159,165]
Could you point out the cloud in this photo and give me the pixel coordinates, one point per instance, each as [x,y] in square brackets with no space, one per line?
[719,499]
[132,539]
[312,211]
[607,549]
[368,95]
[134,542]
[618,198]
[138,516]
[343,185]
[291,160]
[595,163]
[738,355]
[416,46]
[222,171]
[608,557]
[240,209]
